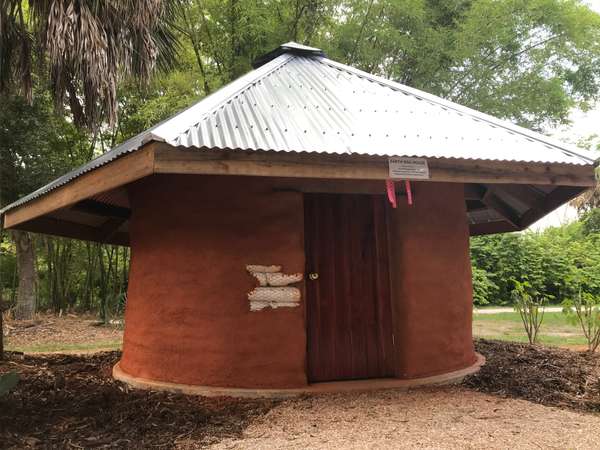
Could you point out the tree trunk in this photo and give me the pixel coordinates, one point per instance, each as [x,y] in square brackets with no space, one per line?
[25,307]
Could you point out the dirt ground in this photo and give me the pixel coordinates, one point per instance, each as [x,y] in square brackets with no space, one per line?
[449,418]
[502,406]
[524,397]
[49,332]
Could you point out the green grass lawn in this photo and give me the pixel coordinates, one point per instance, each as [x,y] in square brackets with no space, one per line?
[67,347]
[507,326]
[555,329]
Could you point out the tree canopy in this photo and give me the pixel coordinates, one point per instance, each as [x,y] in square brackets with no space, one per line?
[67,66]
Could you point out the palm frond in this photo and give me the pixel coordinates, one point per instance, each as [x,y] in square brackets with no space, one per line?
[88,46]
[15,49]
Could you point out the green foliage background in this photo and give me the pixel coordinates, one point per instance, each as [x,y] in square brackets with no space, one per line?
[555,263]
[529,61]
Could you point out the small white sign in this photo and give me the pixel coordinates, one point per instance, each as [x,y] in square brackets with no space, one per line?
[408,168]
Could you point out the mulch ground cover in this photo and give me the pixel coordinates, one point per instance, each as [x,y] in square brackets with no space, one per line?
[71,401]
[550,376]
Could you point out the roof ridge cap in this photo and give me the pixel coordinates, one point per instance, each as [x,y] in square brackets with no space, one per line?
[218,98]
[291,47]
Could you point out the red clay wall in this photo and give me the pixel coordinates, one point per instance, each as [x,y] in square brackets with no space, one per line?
[188,319]
[431,281]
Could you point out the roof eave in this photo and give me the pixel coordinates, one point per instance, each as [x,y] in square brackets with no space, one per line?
[161,158]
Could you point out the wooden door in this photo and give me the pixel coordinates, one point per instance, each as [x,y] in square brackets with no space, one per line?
[348,306]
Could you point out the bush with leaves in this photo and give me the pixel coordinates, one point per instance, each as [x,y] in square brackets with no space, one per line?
[8,381]
[584,310]
[507,258]
[530,305]
[590,221]
[544,259]
[582,305]
[484,289]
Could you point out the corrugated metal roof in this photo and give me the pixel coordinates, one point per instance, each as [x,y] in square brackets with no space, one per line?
[300,101]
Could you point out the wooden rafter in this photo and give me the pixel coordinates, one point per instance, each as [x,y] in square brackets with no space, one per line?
[101,209]
[522,193]
[60,227]
[494,202]
[474,191]
[553,200]
[119,172]
[110,228]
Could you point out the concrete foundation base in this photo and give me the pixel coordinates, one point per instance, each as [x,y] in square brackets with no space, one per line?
[317,388]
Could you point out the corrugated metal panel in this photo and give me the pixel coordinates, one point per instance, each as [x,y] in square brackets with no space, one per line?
[160,132]
[308,103]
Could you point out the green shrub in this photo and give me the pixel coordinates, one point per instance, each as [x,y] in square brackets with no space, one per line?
[484,289]
[530,305]
[8,381]
[584,309]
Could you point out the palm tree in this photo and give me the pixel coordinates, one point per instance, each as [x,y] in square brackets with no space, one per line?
[85,47]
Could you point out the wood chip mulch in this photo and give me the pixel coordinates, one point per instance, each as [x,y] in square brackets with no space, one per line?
[71,401]
[550,376]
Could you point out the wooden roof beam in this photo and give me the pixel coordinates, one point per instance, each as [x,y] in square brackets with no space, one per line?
[500,226]
[295,165]
[494,202]
[101,209]
[156,157]
[110,228]
[522,193]
[474,191]
[118,173]
[553,200]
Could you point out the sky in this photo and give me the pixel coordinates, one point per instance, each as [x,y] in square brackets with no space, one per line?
[584,124]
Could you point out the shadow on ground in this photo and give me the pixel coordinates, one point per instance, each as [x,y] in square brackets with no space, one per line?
[72,400]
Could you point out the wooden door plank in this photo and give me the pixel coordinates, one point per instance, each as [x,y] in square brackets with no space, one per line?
[384,305]
[342,255]
[348,307]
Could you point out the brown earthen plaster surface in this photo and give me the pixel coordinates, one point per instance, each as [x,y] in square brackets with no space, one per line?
[188,318]
[431,281]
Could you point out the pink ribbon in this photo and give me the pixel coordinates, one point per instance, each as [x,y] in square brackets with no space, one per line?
[391,192]
[408,192]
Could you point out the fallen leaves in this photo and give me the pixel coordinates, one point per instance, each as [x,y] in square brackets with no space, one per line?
[71,401]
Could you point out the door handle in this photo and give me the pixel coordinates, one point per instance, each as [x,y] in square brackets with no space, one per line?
[313,276]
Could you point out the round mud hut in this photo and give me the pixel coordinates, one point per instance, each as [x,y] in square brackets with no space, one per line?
[307,223]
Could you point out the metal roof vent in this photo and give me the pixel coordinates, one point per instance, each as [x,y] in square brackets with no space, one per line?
[289,47]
